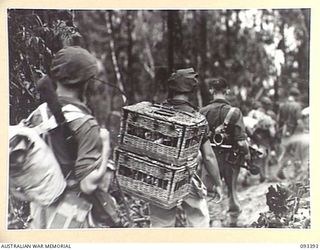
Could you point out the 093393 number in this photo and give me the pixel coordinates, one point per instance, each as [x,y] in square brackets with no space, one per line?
[309,246]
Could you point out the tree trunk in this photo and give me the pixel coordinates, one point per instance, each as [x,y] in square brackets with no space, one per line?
[108,17]
[170,25]
[178,41]
[203,58]
[129,82]
[228,34]
[303,54]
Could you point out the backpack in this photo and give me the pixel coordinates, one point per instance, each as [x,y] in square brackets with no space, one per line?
[34,172]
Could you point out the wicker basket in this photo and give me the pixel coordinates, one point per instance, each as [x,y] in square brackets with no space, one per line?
[161,133]
[157,182]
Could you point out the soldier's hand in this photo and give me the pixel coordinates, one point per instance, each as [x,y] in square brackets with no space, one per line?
[217,194]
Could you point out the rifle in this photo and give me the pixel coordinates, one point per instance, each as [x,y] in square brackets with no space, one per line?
[48,94]
[102,201]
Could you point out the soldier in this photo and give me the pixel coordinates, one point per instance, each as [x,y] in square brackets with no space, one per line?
[288,117]
[71,71]
[182,85]
[264,133]
[234,147]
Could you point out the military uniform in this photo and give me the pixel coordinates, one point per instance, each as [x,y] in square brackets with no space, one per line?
[195,206]
[182,85]
[71,66]
[288,117]
[226,124]
[215,113]
[289,114]
[263,135]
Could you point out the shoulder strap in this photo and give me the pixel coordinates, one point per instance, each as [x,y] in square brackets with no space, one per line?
[227,119]
[70,111]
[228,116]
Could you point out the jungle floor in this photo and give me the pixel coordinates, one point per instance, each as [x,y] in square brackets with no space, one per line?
[253,201]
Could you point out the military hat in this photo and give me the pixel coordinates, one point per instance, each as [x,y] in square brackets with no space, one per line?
[73,65]
[183,80]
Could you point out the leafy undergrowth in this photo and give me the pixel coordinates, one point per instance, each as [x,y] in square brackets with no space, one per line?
[289,205]
[133,212]
[18,214]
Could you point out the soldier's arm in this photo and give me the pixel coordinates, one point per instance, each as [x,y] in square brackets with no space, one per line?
[210,162]
[240,135]
[93,152]
[101,173]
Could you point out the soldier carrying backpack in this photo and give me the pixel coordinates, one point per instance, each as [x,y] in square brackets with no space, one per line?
[80,147]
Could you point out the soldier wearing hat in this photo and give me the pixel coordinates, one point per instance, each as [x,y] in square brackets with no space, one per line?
[234,137]
[71,70]
[181,86]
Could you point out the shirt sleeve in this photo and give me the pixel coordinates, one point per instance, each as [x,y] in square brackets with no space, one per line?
[239,132]
[89,147]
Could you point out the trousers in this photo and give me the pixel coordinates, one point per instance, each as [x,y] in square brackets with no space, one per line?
[70,211]
[195,208]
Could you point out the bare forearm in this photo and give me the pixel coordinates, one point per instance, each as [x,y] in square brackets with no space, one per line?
[91,181]
[210,163]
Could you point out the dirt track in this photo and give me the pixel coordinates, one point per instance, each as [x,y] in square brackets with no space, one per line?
[252,199]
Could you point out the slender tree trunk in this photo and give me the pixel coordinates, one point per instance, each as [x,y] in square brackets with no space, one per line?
[205,96]
[170,25]
[178,41]
[195,41]
[108,17]
[227,45]
[279,79]
[303,54]
[130,83]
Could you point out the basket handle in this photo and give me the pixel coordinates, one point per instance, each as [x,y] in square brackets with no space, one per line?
[171,110]
[164,113]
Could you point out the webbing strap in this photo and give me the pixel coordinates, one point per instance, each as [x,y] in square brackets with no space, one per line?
[228,116]
[70,111]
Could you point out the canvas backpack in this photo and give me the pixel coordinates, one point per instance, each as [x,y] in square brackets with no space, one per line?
[34,172]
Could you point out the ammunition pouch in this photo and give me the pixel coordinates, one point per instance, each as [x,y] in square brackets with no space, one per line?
[69,211]
[236,158]
[233,156]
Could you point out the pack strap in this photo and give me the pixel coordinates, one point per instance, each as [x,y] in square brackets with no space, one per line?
[228,116]
[70,111]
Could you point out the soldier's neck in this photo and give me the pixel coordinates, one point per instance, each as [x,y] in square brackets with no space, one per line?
[219,96]
[180,97]
[66,92]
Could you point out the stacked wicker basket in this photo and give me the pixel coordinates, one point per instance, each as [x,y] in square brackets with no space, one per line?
[157,153]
